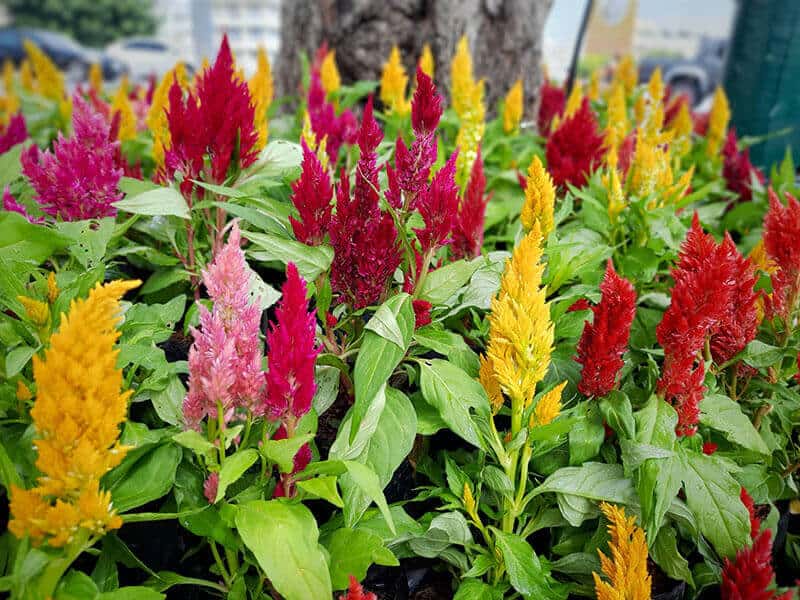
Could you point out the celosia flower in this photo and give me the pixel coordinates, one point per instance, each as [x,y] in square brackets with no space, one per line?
[356,592]
[311,195]
[77,414]
[470,134]
[438,206]
[49,80]
[605,339]
[709,448]
[489,382]
[364,238]
[10,204]
[214,121]
[626,570]
[156,119]
[575,148]
[14,133]
[755,523]
[335,130]
[210,487]
[329,73]
[26,75]
[426,64]
[292,350]
[512,107]
[261,93]
[593,90]
[285,485]
[574,100]
[681,131]
[782,244]
[616,198]
[96,78]
[225,358]
[737,169]
[393,84]
[79,179]
[551,105]
[462,82]
[718,119]
[540,198]
[520,330]
[121,105]
[467,238]
[548,407]
[750,575]
[617,123]
[626,74]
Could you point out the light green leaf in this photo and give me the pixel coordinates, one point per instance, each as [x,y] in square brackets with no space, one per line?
[282,452]
[310,260]
[442,283]
[160,201]
[234,467]
[366,479]
[279,158]
[323,487]
[723,414]
[758,354]
[527,574]
[352,552]
[592,480]
[283,537]
[195,442]
[17,358]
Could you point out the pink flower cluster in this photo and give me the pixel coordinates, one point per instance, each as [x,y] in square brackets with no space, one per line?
[79,179]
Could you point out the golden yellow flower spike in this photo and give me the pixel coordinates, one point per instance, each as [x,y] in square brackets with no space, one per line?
[121,104]
[23,391]
[626,570]
[540,198]
[470,134]
[681,131]
[574,101]
[626,75]
[718,120]
[261,91]
[393,85]
[26,75]
[49,80]
[593,93]
[76,414]
[157,115]
[426,62]
[490,384]
[462,82]
[52,287]
[616,198]
[329,73]
[37,312]
[512,108]
[617,116]
[96,78]
[548,407]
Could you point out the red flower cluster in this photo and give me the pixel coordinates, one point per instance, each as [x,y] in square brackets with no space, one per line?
[605,340]
[356,592]
[292,350]
[575,148]
[755,523]
[712,298]
[325,123]
[412,167]
[782,243]
[14,133]
[438,205]
[364,238]
[468,227]
[750,575]
[737,169]
[311,195]
[214,121]
[552,103]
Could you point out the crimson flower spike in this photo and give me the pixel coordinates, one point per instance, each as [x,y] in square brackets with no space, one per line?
[311,195]
[575,148]
[468,228]
[782,243]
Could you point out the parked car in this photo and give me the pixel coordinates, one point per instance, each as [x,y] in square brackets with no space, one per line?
[145,57]
[696,77]
[70,56]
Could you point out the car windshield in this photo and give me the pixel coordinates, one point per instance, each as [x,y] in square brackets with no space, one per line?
[49,38]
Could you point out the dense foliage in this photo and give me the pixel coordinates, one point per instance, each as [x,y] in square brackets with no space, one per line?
[249,355]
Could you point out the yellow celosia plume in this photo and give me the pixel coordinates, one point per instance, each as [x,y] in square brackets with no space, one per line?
[76,414]
[626,570]
[540,198]
[593,92]
[394,81]
[718,120]
[512,108]
[470,134]
[490,384]
[127,119]
[329,73]
[626,75]
[617,123]
[655,87]
[762,262]
[310,138]
[261,93]
[548,407]
[616,198]
[520,329]
[681,131]
[26,75]
[462,82]
[426,62]
[157,115]
[574,101]
[96,78]
[49,80]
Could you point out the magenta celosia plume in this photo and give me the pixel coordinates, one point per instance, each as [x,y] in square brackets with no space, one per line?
[292,350]
[438,205]
[468,228]
[14,133]
[737,169]
[11,205]
[311,195]
[782,243]
[364,238]
[605,339]
[225,358]
[214,122]
[79,179]
[575,147]
[325,123]
[553,101]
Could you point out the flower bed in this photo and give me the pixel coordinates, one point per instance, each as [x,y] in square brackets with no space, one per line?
[385,347]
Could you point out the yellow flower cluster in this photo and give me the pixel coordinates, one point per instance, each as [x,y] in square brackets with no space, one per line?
[548,407]
[393,85]
[626,570]
[625,74]
[49,80]
[121,104]
[261,92]
[681,131]
[616,198]
[762,262]
[77,414]
[574,100]
[157,115]
[310,138]
[96,78]
[9,101]
[329,73]
[718,120]
[593,93]
[426,63]
[540,198]
[512,108]
[467,101]
[617,124]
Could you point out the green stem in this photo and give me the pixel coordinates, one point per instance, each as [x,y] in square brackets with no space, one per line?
[221,432]
[220,565]
[47,582]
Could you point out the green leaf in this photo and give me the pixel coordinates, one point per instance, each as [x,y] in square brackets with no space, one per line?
[8,472]
[445,529]
[283,537]
[134,592]
[366,479]
[452,392]
[618,413]
[352,552]
[10,165]
[384,323]
[169,401]
[658,482]
[310,260]
[17,358]
[586,435]
[760,355]
[383,450]
[442,283]
[474,589]
[592,480]
[149,477]
[160,201]
[195,442]
[322,487]
[24,241]
[713,496]
[655,423]
[279,158]
[666,555]
[723,414]
[133,187]
[233,468]
[163,278]
[282,452]
[527,574]
[379,356]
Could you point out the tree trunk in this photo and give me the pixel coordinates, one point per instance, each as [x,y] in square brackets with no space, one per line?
[505,38]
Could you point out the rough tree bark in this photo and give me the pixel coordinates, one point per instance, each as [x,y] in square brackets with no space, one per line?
[505,38]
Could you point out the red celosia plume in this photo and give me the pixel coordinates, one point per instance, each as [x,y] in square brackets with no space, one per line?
[468,227]
[750,575]
[782,243]
[553,101]
[311,195]
[356,592]
[605,340]
[438,206]
[575,148]
[738,170]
